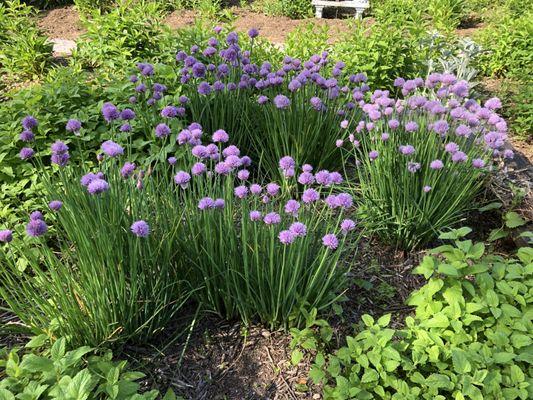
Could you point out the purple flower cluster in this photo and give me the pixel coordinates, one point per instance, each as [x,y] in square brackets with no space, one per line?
[60,155]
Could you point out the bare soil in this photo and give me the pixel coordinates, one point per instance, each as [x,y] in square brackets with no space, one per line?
[61,23]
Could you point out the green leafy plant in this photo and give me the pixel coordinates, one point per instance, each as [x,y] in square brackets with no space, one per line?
[509,44]
[295,9]
[470,336]
[87,7]
[26,52]
[130,32]
[55,373]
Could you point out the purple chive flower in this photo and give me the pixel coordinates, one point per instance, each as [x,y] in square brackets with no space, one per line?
[407,150]
[412,167]
[272,189]
[262,99]
[344,200]
[255,189]
[73,125]
[27,136]
[140,229]
[316,103]
[310,196]
[204,88]
[127,170]
[219,203]
[55,205]
[493,103]
[26,153]
[436,164]
[97,186]
[281,101]
[198,169]
[243,174]
[330,241]
[272,218]
[286,237]
[59,147]
[172,160]
[169,112]
[459,156]
[233,161]
[307,168]
[441,127]
[306,178]
[394,124]
[36,228]
[427,189]
[411,126]
[112,149]
[255,215]
[206,203]
[292,207]
[478,163]
[339,142]
[385,137]
[347,225]
[29,122]
[298,229]
[286,163]
[61,159]
[125,128]
[231,151]
[110,112]
[373,155]
[88,178]
[323,177]
[36,215]
[162,130]
[222,168]
[220,136]
[6,236]
[241,191]
[463,130]
[182,178]
[331,201]
[451,148]
[253,33]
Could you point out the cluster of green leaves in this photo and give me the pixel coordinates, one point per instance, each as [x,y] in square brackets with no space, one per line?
[26,52]
[87,7]
[443,15]
[519,113]
[128,33]
[55,373]
[470,336]
[295,9]
[509,45]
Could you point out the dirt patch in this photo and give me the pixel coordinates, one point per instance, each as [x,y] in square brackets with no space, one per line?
[274,29]
[470,29]
[61,23]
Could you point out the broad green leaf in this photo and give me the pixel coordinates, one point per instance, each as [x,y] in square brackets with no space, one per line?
[370,375]
[460,361]
[513,220]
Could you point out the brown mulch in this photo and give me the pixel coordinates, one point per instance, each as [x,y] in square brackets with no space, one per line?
[61,23]
[272,28]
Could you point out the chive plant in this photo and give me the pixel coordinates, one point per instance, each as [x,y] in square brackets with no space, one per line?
[422,160]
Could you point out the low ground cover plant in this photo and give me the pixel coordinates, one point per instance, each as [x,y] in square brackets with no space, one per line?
[44,370]
[470,336]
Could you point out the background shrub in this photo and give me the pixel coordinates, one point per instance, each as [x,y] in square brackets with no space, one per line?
[509,44]
[26,52]
[295,9]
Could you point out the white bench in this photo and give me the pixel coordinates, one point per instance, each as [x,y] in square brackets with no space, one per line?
[359,5]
